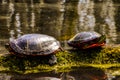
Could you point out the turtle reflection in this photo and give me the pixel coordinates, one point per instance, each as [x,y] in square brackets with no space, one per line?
[85,73]
[81,73]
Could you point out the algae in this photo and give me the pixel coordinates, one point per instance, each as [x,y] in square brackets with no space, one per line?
[103,58]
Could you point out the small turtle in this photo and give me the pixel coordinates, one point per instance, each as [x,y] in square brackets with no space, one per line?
[35,45]
[85,40]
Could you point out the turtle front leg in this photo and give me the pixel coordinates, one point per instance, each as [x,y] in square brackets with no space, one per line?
[52,59]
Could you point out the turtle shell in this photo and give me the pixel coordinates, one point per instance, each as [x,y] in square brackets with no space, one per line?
[87,40]
[35,44]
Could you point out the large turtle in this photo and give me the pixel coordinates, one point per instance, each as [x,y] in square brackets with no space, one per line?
[35,45]
[87,39]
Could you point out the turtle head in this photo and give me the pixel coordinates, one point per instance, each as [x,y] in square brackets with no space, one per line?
[7,46]
[102,39]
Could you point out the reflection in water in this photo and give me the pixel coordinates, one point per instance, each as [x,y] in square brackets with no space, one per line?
[32,4]
[87,20]
[11,9]
[4,1]
[10,13]
[61,20]
[17,29]
[5,77]
[86,15]
[18,24]
[12,35]
[108,13]
[47,78]
[81,73]
[88,73]
[32,20]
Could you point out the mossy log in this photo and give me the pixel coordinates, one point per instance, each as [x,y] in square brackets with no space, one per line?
[106,57]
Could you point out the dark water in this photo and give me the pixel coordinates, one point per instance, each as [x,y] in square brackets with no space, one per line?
[79,74]
[61,19]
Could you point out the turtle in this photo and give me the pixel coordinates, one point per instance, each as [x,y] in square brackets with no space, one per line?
[87,40]
[35,45]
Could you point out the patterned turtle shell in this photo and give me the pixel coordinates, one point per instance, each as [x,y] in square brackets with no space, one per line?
[86,40]
[35,44]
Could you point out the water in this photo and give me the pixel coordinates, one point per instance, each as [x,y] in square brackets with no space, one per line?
[80,74]
[59,18]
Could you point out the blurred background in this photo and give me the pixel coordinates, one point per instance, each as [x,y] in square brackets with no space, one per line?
[61,19]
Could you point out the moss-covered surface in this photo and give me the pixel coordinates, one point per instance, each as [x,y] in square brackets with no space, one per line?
[106,57]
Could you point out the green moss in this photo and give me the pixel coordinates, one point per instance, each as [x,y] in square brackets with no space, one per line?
[100,57]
